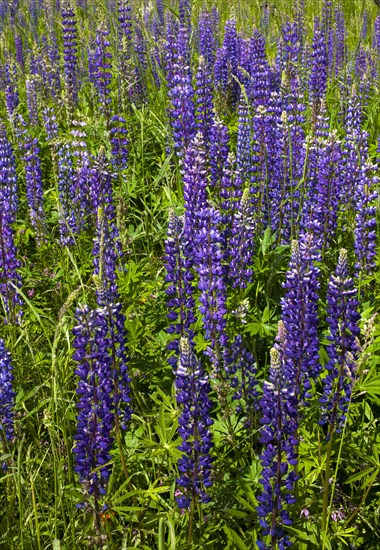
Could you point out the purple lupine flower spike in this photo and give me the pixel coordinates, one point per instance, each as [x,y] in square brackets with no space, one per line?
[9,264]
[67,220]
[209,253]
[207,39]
[324,205]
[194,190]
[340,39]
[300,21]
[300,315]
[376,36]
[226,68]
[118,350]
[355,149]
[193,390]
[218,152]
[181,93]
[180,302]
[258,172]
[70,50]
[259,87]
[279,455]
[50,123]
[140,48]
[204,102]
[102,74]
[160,11]
[343,350]
[34,187]
[96,418]
[81,183]
[243,146]
[106,254]
[31,101]
[290,55]
[242,373]
[365,222]
[125,22]
[195,198]
[7,399]
[12,98]
[8,178]
[241,243]
[19,51]
[318,76]
[53,59]
[185,13]
[119,141]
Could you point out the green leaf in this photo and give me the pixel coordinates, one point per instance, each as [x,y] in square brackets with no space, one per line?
[359,475]
[171,532]
[245,503]
[161,534]
[236,513]
[308,537]
[235,538]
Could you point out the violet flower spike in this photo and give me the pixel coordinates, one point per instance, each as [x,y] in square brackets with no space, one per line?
[204,102]
[68,224]
[7,398]
[300,316]
[279,456]
[96,416]
[34,186]
[102,65]
[70,49]
[211,283]
[193,390]
[181,94]
[180,301]
[343,350]
[227,62]
[119,141]
[365,221]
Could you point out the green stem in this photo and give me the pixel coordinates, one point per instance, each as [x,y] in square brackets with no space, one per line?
[326,483]
[35,513]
